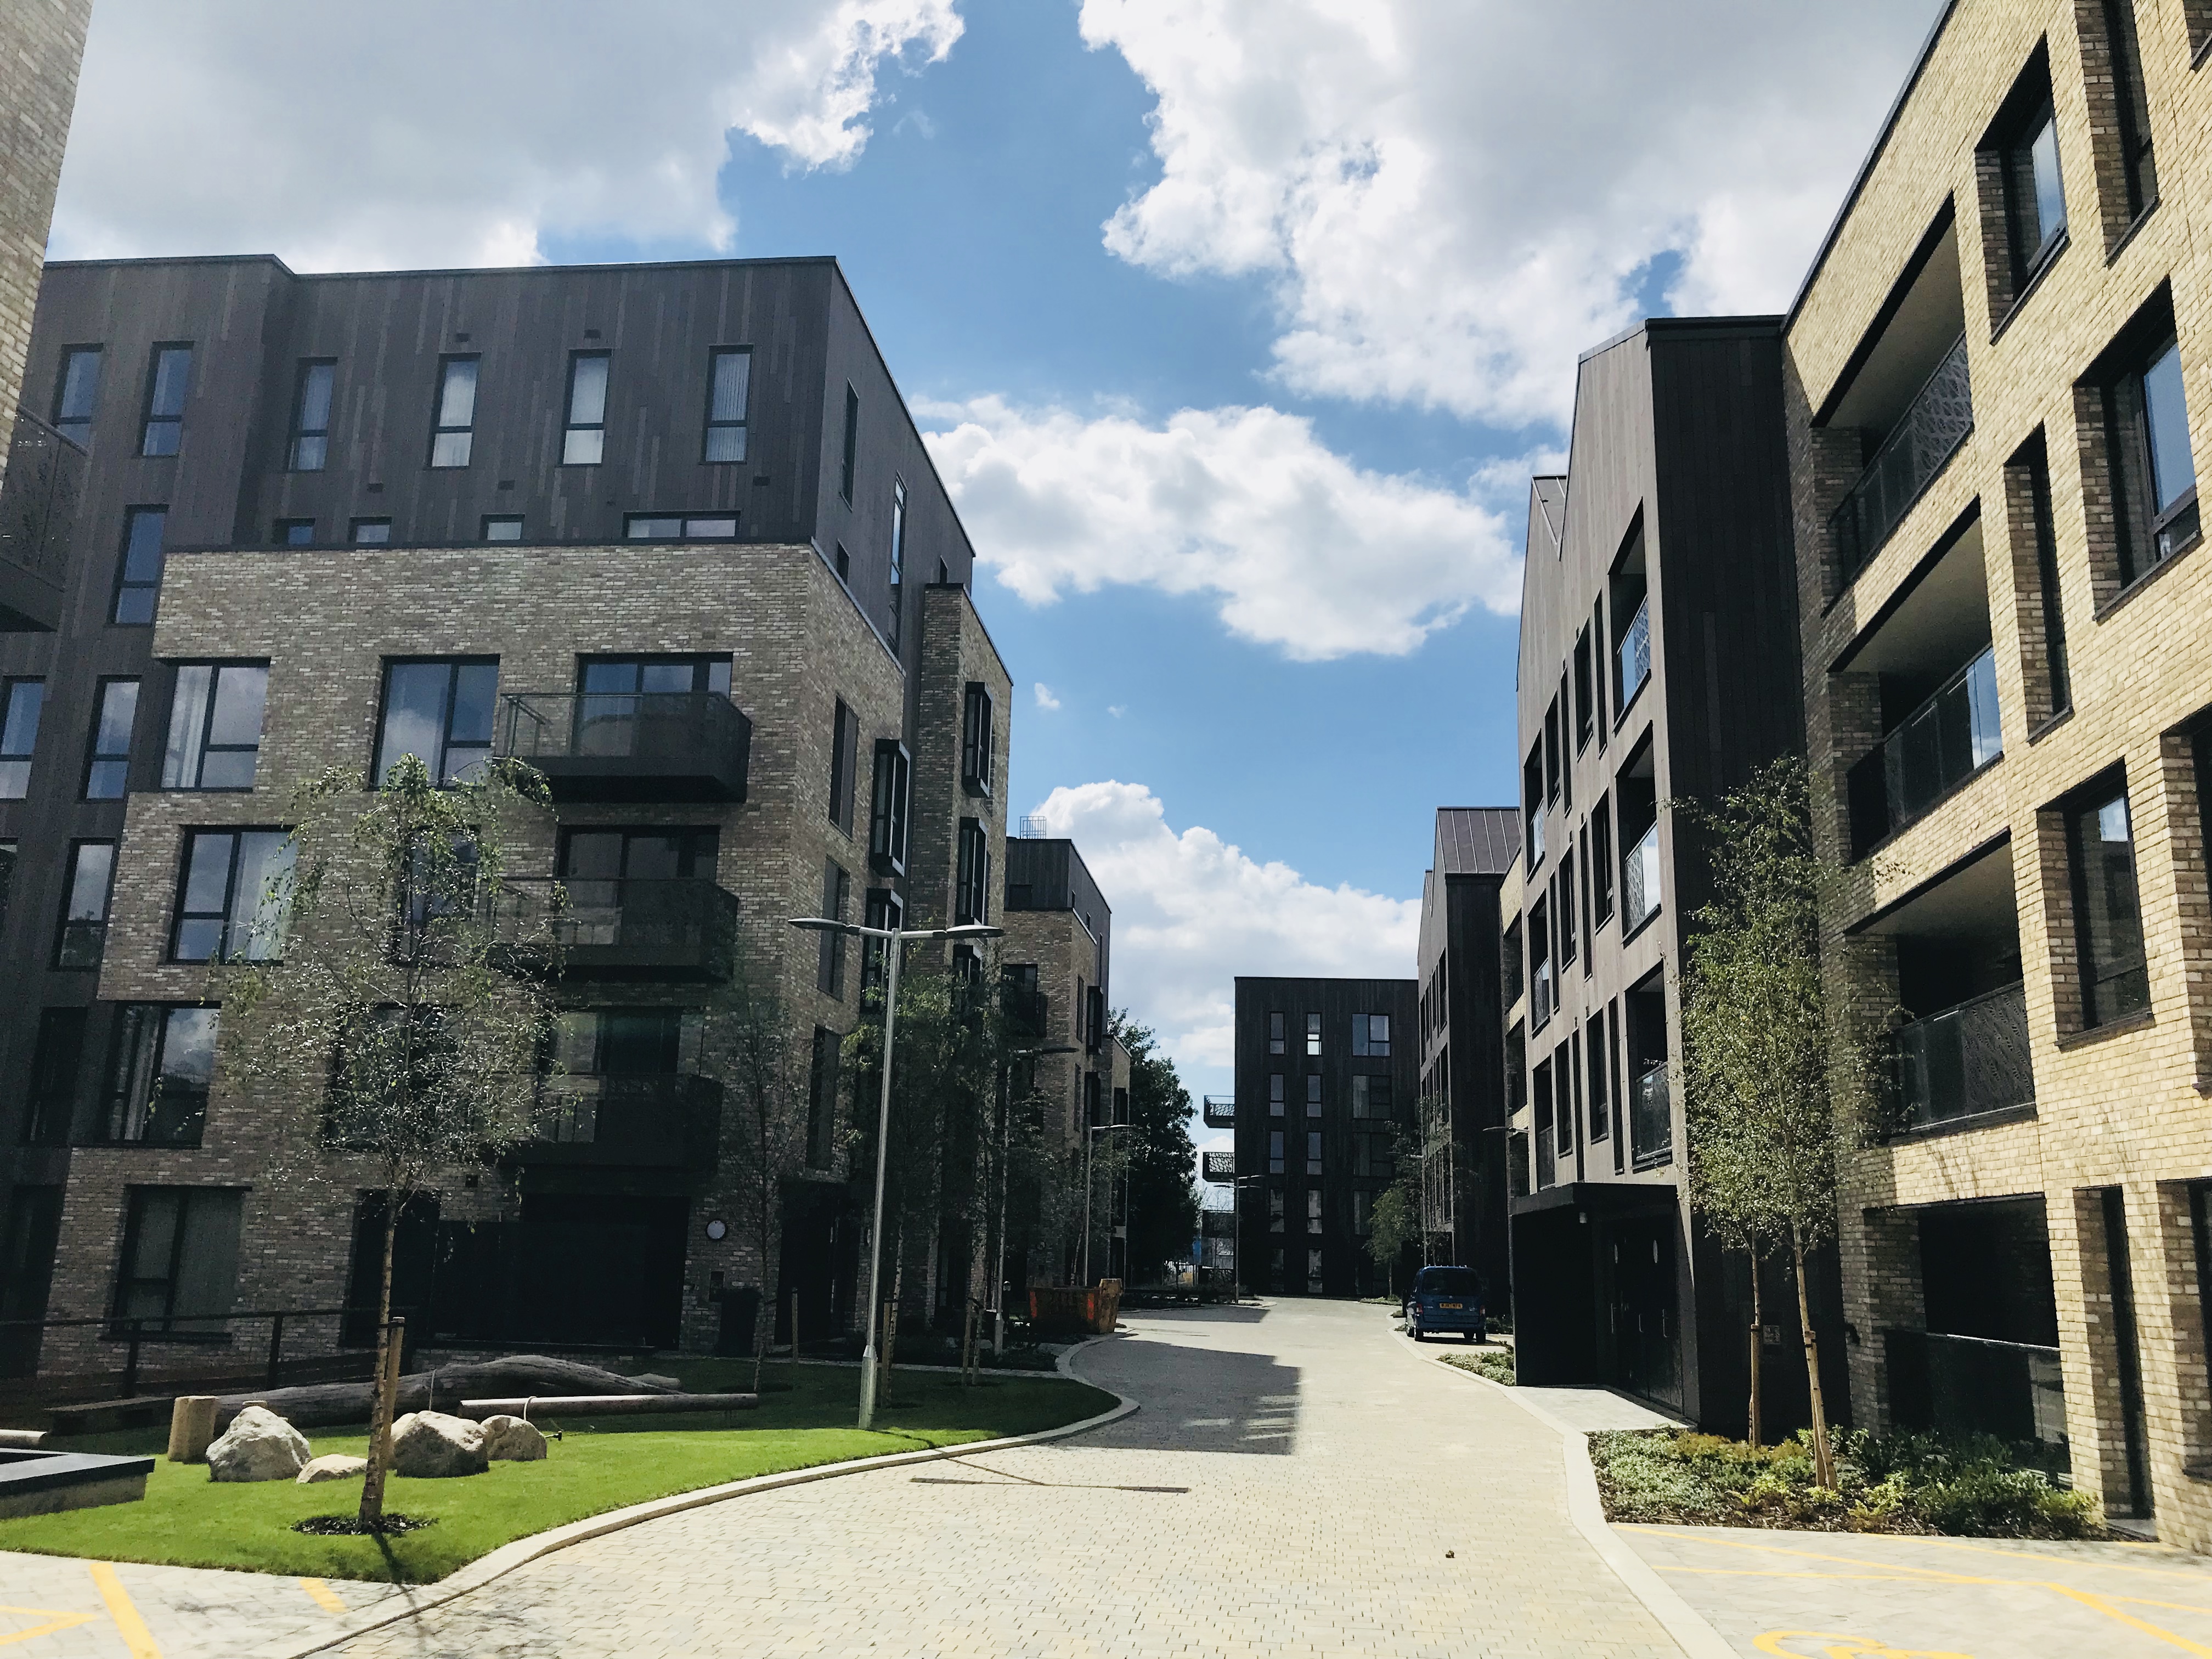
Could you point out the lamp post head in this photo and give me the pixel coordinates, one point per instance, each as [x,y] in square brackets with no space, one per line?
[823,925]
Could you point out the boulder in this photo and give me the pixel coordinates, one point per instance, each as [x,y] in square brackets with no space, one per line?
[432,1446]
[258,1445]
[510,1439]
[332,1466]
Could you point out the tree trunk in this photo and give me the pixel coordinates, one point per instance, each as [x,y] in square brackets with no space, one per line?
[1758,1336]
[379,1415]
[1823,1459]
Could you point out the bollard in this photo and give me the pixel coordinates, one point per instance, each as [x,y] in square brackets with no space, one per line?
[192,1427]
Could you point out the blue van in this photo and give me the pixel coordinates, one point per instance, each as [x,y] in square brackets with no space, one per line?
[1446,1299]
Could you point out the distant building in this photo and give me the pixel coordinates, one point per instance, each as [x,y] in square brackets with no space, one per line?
[1327,1071]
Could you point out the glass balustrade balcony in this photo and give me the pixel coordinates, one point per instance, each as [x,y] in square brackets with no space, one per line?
[1635,653]
[1640,881]
[626,929]
[1540,996]
[630,746]
[1966,1060]
[1962,1385]
[39,499]
[1925,437]
[1652,1117]
[648,1121]
[1935,751]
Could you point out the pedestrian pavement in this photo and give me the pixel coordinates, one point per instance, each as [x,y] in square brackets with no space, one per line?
[61,1606]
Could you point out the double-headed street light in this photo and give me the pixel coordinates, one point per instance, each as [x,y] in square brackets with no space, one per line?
[895,942]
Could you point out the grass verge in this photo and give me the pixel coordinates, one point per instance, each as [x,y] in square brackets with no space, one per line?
[187,1520]
[1495,1364]
[1974,1487]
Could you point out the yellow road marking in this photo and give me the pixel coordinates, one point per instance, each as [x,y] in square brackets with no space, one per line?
[128,1624]
[1843,1646]
[2063,1560]
[325,1597]
[2111,1612]
[55,1619]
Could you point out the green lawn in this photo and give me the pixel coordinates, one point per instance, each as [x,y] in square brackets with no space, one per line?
[190,1521]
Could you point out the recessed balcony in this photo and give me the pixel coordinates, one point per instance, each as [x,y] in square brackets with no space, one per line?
[677,928]
[38,501]
[630,746]
[639,1122]
[1926,435]
[1964,1060]
[1934,752]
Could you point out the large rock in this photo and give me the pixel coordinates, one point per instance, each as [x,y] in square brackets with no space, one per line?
[332,1466]
[510,1439]
[258,1445]
[432,1446]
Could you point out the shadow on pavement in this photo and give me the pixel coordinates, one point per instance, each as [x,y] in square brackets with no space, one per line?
[1195,1399]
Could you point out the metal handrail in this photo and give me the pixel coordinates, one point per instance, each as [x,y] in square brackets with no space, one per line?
[1953,734]
[133,1330]
[1966,1060]
[1926,435]
[1640,883]
[1635,650]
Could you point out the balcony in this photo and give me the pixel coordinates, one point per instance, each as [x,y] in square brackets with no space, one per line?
[1965,1061]
[1934,752]
[1923,440]
[82,944]
[1220,1111]
[1220,1167]
[672,928]
[1640,881]
[1963,1385]
[630,746]
[647,1123]
[38,498]
[1635,654]
[1541,1002]
[1651,1118]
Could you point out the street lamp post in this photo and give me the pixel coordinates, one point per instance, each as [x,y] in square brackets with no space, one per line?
[1006,1160]
[894,941]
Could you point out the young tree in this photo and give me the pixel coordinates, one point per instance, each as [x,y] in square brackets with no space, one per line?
[1396,1220]
[397,1041]
[1161,1160]
[1774,1085]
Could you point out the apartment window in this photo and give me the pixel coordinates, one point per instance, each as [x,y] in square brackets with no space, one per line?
[7,856]
[214,726]
[77,393]
[836,896]
[729,379]
[26,700]
[1511,979]
[166,380]
[1313,1210]
[618,680]
[138,583]
[55,1062]
[887,815]
[898,560]
[1600,1119]
[1313,1034]
[107,762]
[292,532]
[1532,805]
[440,710]
[1362,1214]
[1597,673]
[1278,1100]
[852,444]
[2034,191]
[310,417]
[233,895]
[1313,1094]
[1540,998]
[585,440]
[1601,863]
[976,739]
[81,935]
[1275,1161]
[503,528]
[844,764]
[1585,713]
[1313,1151]
[844,564]
[971,890]
[822,1100]
[1370,1034]
[452,434]
[1552,767]
[371,532]
[1276,1038]
[885,910]
[1564,907]
[1371,1097]
[180,1256]
[677,526]
[2107,916]
[2130,111]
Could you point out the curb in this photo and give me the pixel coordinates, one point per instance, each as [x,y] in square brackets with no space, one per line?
[507,1557]
[1691,1632]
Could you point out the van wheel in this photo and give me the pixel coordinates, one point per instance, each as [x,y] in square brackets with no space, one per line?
[1472,1337]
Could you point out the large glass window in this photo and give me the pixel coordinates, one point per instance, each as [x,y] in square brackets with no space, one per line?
[844,764]
[678,526]
[584,441]
[852,446]
[232,900]
[214,726]
[1370,1034]
[310,417]
[898,560]
[107,760]
[976,739]
[81,935]
[887,818]
[2035,195]
[440,710]
[971,890]
[1278,1097]
[1275,1035]
[2107,916]
[1313,1034]
[729,378]
[822,1100]
[168,379]
[179,1257]
[2150,470]
[25,700]
[452,436]
[138,584]
[77,393]
[836,898]
[1372,1097]
[54,1066]
[670,854]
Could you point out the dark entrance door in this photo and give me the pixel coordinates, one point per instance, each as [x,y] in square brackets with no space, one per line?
[1647,1327]
[817,1260]
[27,1274]
[578,1270]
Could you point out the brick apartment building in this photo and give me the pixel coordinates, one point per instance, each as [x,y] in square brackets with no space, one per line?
[668,532]
[1998,381]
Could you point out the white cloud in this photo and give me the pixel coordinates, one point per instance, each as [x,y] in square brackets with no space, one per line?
[422,132]
[1044,697]
[1453,200]
[1191,912]
[1116,710]
[1303,549]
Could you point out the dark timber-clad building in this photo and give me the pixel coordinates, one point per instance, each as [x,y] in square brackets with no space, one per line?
[1326,1074]
[1464,1105]
[1658,662]
[666,531]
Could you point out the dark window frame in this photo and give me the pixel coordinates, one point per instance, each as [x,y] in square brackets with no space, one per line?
[740,423]
[570,425]
[209,1322]
[889,807]
[852,447]
[465,431]
[149,417]
[439,764]
[70,953]
[64,421]
[26,758]
[304,433]
[95,757]
[977,738]
[844,765]
[202,746]
[126,585]
[836,897]
[895,595]
[971,885]
[2089,800]
[225,917]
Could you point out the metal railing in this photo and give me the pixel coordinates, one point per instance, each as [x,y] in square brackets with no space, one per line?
[1218,1166]
[211,1340]
[1926,435]
[39,499]
[573,736]
[604,924]
[1639,880]
[1547,1159]
[1219,1111]
[1974,1385]
[671,1121]
[1540,1003]
[1934,749]
[1635,653]
[1650,1117]
[1964,1060]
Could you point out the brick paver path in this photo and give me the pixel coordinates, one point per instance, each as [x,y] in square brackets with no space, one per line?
[1291,1488]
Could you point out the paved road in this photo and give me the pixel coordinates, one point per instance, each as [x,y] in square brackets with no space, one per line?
[1291,1488]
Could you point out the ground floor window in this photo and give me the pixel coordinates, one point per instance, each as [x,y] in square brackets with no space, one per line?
[180,1256]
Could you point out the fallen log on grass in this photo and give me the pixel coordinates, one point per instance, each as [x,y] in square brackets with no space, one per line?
[609,1405]
[322,1405]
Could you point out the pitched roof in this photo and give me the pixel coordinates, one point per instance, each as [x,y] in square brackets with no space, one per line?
[1477,841]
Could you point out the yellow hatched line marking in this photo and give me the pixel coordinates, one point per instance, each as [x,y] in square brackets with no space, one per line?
[56,1620]
[128,1624]
[326,1597]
